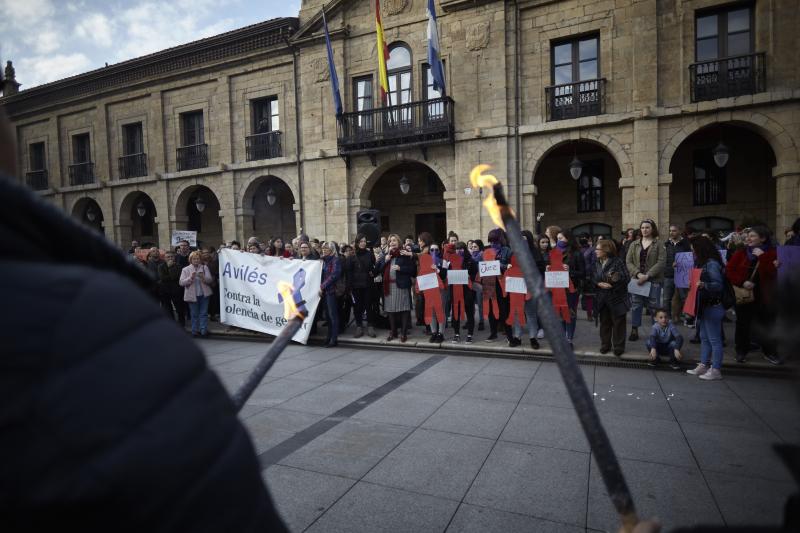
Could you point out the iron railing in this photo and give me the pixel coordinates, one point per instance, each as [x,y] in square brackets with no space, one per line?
[729,76]
[572,100]
[190,157]
[413,124]
[263,145]
[133,166]
[36,179]
[81,173]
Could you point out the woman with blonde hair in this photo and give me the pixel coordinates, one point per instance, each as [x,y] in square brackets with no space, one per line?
[196,282]
[397,267]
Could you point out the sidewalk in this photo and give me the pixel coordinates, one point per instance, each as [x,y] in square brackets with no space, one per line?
[586,344]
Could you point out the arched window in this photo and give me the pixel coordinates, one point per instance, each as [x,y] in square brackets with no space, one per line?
[398,68]
[711,224]
[593,230]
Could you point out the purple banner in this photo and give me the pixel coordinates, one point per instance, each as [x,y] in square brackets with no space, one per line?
[788,261]
[684,263]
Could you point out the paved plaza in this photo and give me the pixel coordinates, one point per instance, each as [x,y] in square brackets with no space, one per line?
[354,439]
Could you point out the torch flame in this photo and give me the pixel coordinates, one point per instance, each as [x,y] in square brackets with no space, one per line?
[290,309]
[479,179]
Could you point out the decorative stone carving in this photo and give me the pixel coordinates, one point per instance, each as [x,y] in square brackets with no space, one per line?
[320,66]
[394,7]
[478,36]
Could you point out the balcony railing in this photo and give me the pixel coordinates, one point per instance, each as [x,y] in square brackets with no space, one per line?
[572,100]
[36,179]
[133,166]
[195,156]
[730,76]
[81,173]
[407,125]
[263,146]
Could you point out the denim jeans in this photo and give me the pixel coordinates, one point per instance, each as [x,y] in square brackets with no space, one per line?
[478,288]
[199,312]
[710,326]
[665,349]
[531,319]
[668,292]
[638,304]
[332,310]
[572,303]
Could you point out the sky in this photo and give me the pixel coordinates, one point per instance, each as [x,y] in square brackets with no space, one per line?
[48,40]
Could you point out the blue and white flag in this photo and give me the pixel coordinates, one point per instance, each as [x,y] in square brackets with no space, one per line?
[337,99]
[434,58]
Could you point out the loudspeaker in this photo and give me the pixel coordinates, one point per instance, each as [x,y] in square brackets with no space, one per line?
[368,222]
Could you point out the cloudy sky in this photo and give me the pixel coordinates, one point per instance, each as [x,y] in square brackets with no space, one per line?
[51,39]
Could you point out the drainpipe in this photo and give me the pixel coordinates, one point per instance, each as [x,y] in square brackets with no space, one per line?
[297,129]
[517,165]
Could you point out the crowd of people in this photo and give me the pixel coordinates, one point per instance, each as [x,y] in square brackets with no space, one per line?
[373,286]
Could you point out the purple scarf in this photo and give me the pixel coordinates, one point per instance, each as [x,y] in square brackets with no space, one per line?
[561,245]
[476,256]
[764,247]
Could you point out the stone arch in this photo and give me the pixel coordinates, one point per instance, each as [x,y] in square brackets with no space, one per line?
[263,220]
[183,191]
[779,139]
[80,208]
[207,223]
[545,145]
[130,225]
[249,185]
[363,186]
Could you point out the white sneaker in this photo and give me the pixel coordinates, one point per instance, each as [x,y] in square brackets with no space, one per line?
[699,370]
[540,334]
[713,374]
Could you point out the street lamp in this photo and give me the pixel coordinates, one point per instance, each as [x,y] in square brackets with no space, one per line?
[721,154]
[467,190]
[91,214]
[404,185]
[200,204]
[271,197]
[141,209]
[575,167]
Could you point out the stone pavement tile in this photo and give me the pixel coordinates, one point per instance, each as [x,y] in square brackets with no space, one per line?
[677,382]
[350,449]
[629,377]
[327,371]
[273,426]
[287,367]
[436,381]
[471,416]
[648,439]
[363,356]
[507,367]
[553,427]
[551,394]
[322,354]
[748,501]
[302,496]
[434,463]
[230,380]
[249,410]
[782,416]
[403,360]
[405,408]
[675,496]
[542,482]
[371,375]
[631,401]
[326,399]
[250,348]
[245,364]
[549,373]
[473,519]
[465,364]
[220,359]
[751,387]
[280,390]
[706,407]
[738,451]
[369,508]
[500,388]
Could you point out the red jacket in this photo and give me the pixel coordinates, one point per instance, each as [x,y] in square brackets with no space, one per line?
[738,271]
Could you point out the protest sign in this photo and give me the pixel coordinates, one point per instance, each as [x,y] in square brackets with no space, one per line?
[788,262]
[517,285]
[489,268]
[142,253]
[556,279]
[691,299]
[428,281]
[184,235]
[249,297]
[640,290]
[457,277]
[684,263]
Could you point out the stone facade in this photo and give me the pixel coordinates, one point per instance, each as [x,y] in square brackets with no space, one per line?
[498,59]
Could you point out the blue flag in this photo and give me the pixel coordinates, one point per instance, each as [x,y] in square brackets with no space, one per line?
[434,58]
[337,99]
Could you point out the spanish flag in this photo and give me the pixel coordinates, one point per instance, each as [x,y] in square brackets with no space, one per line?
[383,54]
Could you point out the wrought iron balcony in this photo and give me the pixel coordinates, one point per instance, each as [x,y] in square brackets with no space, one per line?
[36,179]
[263,146]
[81,173]
[416,124]
[190,157]
[133,166]
[730,76]
[572,100]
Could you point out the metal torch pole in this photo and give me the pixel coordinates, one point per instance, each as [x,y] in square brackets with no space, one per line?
[570,372]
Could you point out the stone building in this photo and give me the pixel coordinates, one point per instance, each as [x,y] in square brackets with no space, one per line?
[684,111]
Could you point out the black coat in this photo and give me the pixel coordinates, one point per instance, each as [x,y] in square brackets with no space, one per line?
[672,249]
[616,298]
[111,420]
[168,277]
[360,269]
[408,269]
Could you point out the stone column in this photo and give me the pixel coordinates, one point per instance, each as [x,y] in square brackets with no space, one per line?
[228,217]
[787,197]
[221,125]
[528,207]
[163,203]
[244,219]
[53,154]
[645,174]
[629,219]
[451,210]
[102,159]
[155,138]
[664,182]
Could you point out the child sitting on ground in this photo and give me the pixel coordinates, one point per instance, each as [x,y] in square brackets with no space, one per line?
[665,340]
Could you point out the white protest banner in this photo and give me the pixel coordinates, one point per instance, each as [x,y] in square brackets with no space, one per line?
[556,280]
[179,235]
[428,281]
[516,285]
[248,285]
[457,277]
[641,290]
[489,268]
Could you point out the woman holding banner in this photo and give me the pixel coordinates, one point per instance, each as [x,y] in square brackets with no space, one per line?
[196,282]
[397,267]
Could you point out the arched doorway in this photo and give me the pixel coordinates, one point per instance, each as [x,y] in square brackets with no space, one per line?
[592,203]
[200,209]
[88,211]
[272,204]
[410,198]
[742,190]
[138,218]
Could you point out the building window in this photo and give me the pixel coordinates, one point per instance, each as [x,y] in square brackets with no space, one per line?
[577,90]
[266,116]
[591,195]
[575,60]
[362,101]
[398,69]
[81,152]
[132,139]
[433,111]
[36,157]
[723,33]
[709,179]
[592,230]
[192,132]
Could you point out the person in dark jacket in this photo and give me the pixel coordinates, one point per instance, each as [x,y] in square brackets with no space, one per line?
[140,433]
[675,244]
[171,292]
[331,271]
[611,302]
[397,267]
[576,265]
[360,274]
[499,244]
[531,314]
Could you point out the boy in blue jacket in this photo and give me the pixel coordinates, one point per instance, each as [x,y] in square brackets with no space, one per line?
[665,340]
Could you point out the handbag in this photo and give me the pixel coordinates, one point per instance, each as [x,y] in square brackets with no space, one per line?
[745,296]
